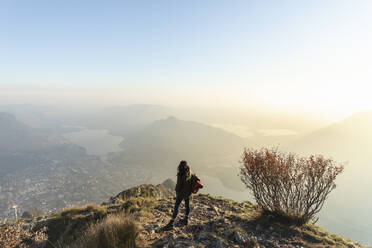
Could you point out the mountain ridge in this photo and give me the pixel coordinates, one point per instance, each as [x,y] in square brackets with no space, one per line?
[214,222]
[174,139]
[15,136]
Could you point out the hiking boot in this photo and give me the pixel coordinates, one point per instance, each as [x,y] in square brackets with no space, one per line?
[185,221]
[169,226]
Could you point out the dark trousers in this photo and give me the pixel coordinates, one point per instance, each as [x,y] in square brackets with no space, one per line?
[177,205]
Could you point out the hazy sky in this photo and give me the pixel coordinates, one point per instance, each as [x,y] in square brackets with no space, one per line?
[299,55]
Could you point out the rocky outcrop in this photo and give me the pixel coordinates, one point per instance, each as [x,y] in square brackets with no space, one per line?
[217,222]
[213,222]
[163,190]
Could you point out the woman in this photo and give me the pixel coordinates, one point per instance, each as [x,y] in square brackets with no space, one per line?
[183,192]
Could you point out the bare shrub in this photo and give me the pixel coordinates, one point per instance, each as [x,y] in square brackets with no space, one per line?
[287,185]
[116,230]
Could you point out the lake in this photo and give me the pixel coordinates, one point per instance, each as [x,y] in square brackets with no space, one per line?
[214,186]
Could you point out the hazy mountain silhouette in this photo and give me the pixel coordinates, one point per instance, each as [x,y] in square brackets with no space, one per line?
[123,120]
[164,142]
[35,116]
[118,119]
[349,141]
[345,139]
[18,137]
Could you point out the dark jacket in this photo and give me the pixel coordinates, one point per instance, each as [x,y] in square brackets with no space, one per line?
[184,185]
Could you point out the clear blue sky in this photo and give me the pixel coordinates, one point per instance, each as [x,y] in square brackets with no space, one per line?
[144,37]
[179,47]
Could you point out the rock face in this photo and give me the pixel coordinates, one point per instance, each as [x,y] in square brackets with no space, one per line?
[213,222]
[163,190]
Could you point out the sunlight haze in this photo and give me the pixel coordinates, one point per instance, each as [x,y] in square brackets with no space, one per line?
[292,56]
[97,97]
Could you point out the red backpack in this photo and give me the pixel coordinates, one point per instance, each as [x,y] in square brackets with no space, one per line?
[196,184]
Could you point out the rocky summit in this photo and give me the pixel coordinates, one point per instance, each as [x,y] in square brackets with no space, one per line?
[213,222]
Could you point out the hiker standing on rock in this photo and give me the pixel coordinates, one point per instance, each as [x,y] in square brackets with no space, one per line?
[183,192]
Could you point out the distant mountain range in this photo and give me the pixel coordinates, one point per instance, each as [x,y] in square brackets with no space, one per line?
[349,138]
[124,120]
[17,137]
[163,143]
[120,120]
[350,142]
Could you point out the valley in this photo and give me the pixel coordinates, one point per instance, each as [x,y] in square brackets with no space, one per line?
[84,165]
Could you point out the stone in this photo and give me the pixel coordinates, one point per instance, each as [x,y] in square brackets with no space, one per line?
[202,236]
[216,210]
[220,244]
[183,246]
[258,227]
[240,238]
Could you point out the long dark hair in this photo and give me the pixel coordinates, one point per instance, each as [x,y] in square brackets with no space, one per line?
[183,168]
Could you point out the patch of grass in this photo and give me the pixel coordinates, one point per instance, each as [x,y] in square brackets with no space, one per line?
[313,235]
[145,216]
[136,204]
[316,234]
[247,214]
[29,214]
[91,208]
[267,217]
[117,230]
[66,224]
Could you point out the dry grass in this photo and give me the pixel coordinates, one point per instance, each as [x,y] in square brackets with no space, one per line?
[137,204]
[114,231]
[317,235]
[66,225]
[75,210]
